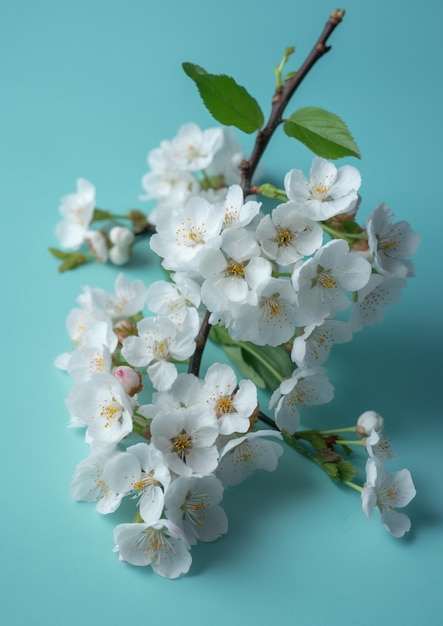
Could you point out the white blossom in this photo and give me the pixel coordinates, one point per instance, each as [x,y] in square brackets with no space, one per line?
[159,341]
[307,386]
[230,273]
[237,212]
[192,503]
[98,244]
[77,210]
[323,283]
[379,292]
[388,492]
[378,446]
[141,472]
[161,545]
[101,404]
[88,483]
[313,345]
[173,299]
[232,404]
[187,436]
[242,456]
[391,244]
[183,234]
[94,355]
[329,191]
[286,236]
[194,149]
[271,320]
[128,299]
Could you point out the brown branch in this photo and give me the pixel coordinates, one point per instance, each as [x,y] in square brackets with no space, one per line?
[281,99]
[200,340]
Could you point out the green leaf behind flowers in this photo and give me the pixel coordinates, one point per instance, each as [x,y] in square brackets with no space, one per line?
[323,132]
[266,366]
[229,103]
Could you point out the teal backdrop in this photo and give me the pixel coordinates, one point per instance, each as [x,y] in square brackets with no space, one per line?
[87,89]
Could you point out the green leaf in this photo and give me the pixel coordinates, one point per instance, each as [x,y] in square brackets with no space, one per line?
[271,364]
[99,215]
[346,471]
[59,254]
[331,470]
[314,438]
[74,260]
[270,191]
[322,132]
[235,355]
[229,103]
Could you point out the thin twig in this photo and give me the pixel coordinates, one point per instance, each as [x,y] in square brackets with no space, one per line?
[281,98]
[200,340]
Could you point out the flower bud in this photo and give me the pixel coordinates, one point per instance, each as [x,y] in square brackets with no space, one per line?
[98,245]
[121,236]
[362,247]
[130,380]
[119,255]
[124,329]
[369,421]
[138,219]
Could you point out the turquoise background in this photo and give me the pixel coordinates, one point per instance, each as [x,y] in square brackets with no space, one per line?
[87,88]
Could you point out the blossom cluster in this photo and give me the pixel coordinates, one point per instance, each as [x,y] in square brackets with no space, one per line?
[304,276]
[173,456]
[271,279]
[387,491]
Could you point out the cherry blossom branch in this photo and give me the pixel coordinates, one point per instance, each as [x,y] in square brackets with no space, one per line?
[267,420]
[200,341]
[281,98]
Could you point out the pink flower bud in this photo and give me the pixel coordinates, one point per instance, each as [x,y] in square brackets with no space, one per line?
[130,380]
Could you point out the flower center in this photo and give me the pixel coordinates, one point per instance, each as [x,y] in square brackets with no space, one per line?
[231,215]
[235,269]
[120,304]
[284,238]
[182,444]
[324,279]
[190,235]
[271,305]
[97,363]
[319,191]
[161,350]
[110,411]
[145,481]
[387,245]
[223,406]
[194,506]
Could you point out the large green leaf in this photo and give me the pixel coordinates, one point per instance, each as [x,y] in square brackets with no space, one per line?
[324,133]
[229,103]
[235,355]
[264,365]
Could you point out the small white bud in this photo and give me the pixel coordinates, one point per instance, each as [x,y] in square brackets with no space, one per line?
[121,236]
[119,255]
[369,421]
